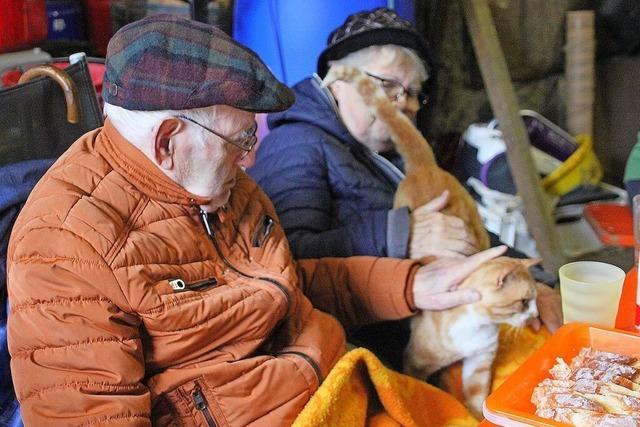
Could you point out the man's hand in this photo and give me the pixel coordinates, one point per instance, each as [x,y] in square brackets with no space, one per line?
[434,233]
[549,308]
[435,284]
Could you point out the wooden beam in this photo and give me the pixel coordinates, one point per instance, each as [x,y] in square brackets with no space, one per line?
[537,206]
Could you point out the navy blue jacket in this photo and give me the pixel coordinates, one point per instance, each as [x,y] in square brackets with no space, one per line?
[333,195]
[16,182]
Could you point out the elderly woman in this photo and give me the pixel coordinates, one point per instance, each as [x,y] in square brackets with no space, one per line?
[329,165]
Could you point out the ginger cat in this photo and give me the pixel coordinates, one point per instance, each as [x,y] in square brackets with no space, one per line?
[468,333]
[424,179]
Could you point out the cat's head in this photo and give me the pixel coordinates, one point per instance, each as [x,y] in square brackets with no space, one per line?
[508,290]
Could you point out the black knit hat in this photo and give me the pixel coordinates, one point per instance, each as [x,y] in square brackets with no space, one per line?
[376,27]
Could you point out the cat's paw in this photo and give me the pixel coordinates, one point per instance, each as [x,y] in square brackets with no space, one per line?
[474,405]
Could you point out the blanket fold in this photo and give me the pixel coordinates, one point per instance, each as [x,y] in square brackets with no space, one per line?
[361,391]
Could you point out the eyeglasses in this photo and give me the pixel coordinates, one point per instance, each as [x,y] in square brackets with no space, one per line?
[246,143]
[395,90]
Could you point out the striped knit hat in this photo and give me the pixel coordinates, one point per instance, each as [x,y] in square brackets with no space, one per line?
[166,62]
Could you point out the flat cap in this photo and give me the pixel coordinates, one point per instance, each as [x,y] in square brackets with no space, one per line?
[166,62]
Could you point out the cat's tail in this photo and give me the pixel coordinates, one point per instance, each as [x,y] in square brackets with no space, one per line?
[408,140]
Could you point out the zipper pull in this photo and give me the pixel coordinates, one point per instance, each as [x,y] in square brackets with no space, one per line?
[177,284]
[198,400]
[263,231]
[201,405]
[204,218]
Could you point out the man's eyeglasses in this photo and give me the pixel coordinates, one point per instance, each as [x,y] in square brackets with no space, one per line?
[395,90]
[245,143]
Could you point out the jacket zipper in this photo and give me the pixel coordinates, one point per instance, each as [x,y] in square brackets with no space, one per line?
[310,361]
[261,234]
[204,217]
[179,285]
[201,405]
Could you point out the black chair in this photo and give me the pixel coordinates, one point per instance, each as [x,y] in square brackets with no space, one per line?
[39,119]
[33,122]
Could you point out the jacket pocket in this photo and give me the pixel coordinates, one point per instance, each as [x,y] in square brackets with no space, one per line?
[193,405]
[202,406]
[179,285]
[263,230]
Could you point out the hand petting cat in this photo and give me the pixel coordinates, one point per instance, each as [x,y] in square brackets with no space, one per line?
[434,233]
[549,308]
[435,284]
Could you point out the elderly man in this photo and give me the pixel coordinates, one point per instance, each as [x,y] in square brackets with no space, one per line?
[149,279]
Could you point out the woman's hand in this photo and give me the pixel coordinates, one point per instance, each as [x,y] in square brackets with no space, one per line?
[434,233]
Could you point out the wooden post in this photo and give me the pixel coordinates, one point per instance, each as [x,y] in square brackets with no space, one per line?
[537,207]
[579,64]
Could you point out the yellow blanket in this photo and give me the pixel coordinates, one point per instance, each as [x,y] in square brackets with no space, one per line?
[361,391]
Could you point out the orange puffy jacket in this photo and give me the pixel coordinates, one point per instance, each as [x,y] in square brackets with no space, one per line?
[130,306]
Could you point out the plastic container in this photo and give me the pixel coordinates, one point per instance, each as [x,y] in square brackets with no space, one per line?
[582,167]
[23,24]
[591,292]
[564,161]
[612,222]
[510,405]
[629,312]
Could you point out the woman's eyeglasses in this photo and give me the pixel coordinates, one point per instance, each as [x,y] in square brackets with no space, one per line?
[395,90]
[246,143]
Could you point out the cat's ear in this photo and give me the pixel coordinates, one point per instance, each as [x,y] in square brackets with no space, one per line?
[530,262]
[504,274]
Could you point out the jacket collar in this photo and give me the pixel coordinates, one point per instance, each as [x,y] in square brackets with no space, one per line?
[132,163]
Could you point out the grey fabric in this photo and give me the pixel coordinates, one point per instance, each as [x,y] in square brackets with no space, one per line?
[398,232]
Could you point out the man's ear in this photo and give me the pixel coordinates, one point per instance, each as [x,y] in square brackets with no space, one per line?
[163,148]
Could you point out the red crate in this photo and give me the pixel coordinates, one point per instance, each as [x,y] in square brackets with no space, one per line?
[98,20]
[23,24]
[612,222]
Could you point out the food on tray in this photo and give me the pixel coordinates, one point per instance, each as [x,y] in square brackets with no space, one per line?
[598,389]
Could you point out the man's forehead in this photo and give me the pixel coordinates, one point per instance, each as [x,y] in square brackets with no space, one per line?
[234,119]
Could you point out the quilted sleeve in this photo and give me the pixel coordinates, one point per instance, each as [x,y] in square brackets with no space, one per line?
[360,290]
[76,350]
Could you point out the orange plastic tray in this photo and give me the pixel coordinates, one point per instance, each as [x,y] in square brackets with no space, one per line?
[510,404]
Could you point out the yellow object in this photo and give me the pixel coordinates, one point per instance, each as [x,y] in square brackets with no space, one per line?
[361,391]
[582,167]
[514,347]
[591,292]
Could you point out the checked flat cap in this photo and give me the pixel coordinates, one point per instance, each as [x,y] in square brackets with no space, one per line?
[165,62]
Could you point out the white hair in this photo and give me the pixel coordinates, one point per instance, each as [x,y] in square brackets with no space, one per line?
[385,55]
[137,126]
